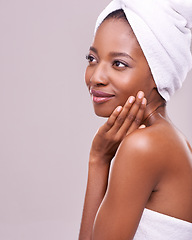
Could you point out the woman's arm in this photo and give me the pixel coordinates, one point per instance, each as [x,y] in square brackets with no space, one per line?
[136,171]
[96,188]
[120,123]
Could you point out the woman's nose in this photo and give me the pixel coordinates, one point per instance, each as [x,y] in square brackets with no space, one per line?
[99,76]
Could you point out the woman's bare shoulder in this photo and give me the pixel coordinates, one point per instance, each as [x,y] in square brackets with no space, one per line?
[150,145]
[158,136]
[150,139]
[155,145]
[144,149]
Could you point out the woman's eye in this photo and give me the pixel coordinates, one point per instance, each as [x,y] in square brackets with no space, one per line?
[119,64]
[91,59]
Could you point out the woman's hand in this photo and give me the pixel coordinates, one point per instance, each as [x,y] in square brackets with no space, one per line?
[122,122]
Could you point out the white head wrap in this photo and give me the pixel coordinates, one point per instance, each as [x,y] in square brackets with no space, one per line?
[162,28]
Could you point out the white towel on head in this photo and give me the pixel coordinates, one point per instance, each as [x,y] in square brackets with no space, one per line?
[162,28]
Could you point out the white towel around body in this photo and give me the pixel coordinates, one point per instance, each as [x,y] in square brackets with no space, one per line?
[158,226]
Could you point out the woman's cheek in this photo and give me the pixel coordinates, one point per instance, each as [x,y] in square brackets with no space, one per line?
[127,85]
[87,76]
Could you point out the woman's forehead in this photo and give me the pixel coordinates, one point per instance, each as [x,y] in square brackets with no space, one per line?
[116,24]
[117,35]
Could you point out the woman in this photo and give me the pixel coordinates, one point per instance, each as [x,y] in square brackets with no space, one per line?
[147,192]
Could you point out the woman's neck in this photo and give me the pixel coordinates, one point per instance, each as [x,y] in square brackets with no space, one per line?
[156,106]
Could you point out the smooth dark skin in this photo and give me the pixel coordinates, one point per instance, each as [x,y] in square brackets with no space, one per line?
[152,167]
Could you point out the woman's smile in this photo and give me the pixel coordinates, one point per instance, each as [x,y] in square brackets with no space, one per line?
[99,96]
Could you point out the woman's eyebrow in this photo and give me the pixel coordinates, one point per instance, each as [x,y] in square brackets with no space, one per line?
[113,54]
[93,49]
[120,54]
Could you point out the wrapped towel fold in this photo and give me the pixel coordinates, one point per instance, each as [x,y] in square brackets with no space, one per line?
[158,226]
[162,28]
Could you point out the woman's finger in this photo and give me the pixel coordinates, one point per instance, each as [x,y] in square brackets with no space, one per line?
[139,117]
[111,120]
[122,116]
[135,112]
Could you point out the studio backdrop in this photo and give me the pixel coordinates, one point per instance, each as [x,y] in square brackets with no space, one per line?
[46,116]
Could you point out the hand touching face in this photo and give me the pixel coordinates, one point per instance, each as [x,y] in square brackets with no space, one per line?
[123,121]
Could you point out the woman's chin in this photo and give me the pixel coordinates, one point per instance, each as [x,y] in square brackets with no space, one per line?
[102,113]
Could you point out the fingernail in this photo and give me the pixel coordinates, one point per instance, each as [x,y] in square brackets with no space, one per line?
[140,94]
[119,108]
[131,99]
[142,126]
[144,101]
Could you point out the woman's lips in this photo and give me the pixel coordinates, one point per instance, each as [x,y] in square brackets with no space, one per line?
[100,97]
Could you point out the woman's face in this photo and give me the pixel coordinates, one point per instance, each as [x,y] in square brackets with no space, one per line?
[117,67]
